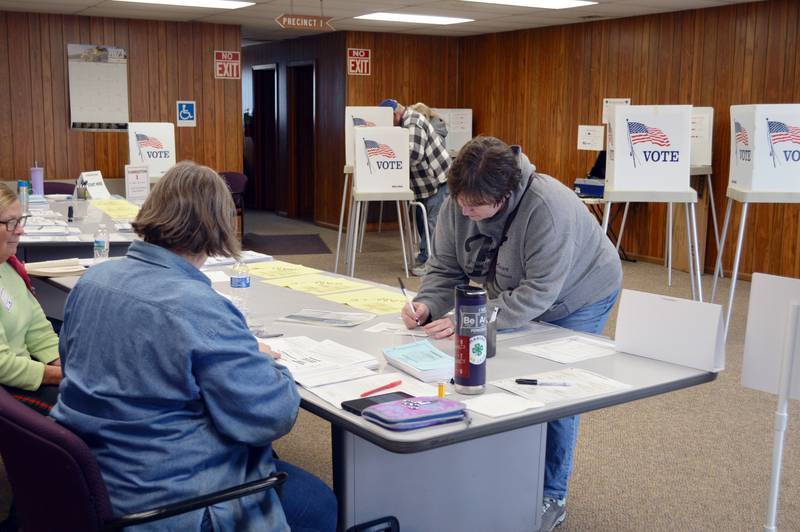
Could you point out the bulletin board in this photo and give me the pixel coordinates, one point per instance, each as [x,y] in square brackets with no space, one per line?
[459,127]
[98,87]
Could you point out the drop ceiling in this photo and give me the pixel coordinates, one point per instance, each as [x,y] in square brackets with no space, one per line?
[258,21]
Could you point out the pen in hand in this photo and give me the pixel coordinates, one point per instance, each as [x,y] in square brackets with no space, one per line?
[540,382]
[408,298]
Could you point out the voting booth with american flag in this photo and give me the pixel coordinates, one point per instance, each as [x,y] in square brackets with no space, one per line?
[362,117]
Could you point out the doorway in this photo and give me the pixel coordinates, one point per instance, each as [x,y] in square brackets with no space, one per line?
[301,120]
[261,140]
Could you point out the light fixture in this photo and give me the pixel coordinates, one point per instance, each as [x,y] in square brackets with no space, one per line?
[213,4]
[414,19]
[543,4]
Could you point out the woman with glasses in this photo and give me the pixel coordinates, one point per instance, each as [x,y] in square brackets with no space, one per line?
[30,369]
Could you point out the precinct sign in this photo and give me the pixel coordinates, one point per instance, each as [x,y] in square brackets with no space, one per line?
[358,62]
[227,65]
[304,22]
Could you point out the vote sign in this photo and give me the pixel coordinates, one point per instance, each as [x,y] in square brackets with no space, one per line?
[381,157]
[765,147]
[649,148]
[227,65]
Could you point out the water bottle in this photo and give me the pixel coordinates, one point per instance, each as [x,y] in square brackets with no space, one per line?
[22,194]
[240,286]
[101,243]
[470,338]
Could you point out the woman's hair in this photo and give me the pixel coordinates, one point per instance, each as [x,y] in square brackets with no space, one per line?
[485,172]
[7,197]
[422,109]
[190,210]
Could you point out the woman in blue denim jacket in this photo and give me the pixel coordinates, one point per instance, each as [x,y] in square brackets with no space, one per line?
[164,382]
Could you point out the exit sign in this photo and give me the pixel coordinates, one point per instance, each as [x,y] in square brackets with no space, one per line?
[227,65]
[358,62]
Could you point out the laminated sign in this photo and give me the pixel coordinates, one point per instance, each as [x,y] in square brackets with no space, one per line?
[649,148]
[381,156]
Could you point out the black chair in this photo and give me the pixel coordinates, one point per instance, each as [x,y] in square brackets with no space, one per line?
[57,187]
[237,183]
[43,457]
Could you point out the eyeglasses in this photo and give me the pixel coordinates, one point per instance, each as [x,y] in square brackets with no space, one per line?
[14,222]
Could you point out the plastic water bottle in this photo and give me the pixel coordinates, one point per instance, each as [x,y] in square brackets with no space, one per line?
[101,243]
[22,194]
[240,286]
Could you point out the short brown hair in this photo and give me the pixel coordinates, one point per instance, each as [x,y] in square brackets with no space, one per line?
[485,172]
[190,210]
[7,197]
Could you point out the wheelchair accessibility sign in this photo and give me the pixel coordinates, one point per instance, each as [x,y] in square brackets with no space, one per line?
[186,114]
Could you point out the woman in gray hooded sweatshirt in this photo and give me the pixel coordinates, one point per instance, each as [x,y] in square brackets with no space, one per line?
[540,255]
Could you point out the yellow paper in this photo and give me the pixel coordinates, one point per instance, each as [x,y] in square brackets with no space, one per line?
[375,300]
[277,268]
[318,284]
[118,210]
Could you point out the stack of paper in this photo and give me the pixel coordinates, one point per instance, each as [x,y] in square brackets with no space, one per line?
[246,256]
[123,227]
[328,317]
[569,350]
[422,360]
[315,363]
[44,226]
[55,268]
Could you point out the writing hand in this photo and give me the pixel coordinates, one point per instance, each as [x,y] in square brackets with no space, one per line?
[264,348]
[441,328]
[419,315]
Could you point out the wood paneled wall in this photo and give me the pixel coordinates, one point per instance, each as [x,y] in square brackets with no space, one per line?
[534,87]
[408,68]
[327,52]
[168,61]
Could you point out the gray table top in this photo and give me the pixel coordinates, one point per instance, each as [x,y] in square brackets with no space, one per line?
[647,377]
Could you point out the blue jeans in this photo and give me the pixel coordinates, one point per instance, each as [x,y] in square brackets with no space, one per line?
[432,206]
[309,505]
[562,434]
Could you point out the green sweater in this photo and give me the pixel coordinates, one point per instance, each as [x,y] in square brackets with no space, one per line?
[27,340]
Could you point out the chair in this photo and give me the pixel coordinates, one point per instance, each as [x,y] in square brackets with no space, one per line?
[57,187]
[237,183]
[40,454]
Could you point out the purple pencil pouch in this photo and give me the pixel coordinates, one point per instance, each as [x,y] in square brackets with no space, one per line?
[415,412]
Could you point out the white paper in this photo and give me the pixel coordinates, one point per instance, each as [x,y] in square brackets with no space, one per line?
[569,350]
[500,404]
[532,328]
[582,384]
[247,256]
[95,186]
[679,331]
[315,363]
[137,183]
[217,276]
[344,391]
[591,138]
[396,328]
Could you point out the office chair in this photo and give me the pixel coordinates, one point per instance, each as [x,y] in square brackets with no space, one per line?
[56,187]
[41,454]
[237,183]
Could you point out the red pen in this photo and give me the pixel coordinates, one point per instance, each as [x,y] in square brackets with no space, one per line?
[381,388]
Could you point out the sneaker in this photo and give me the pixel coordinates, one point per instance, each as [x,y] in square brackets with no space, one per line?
[554,511]
[418,270]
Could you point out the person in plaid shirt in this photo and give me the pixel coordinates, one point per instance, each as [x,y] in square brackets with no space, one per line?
[429,162]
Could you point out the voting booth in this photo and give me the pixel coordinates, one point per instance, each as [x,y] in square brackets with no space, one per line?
[764,166]
[380,173]
[152,144]
[648,160]
[765,147]
[649,148]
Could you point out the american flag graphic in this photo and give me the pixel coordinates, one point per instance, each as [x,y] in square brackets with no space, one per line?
[148,142]
[780,132]
[741,134]
[641,133]
[361,122]
[374,149]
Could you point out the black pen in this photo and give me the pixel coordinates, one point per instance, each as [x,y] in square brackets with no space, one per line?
[276,335]
[540,382]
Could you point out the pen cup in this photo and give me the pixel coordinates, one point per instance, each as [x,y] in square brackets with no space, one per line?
[491,338]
